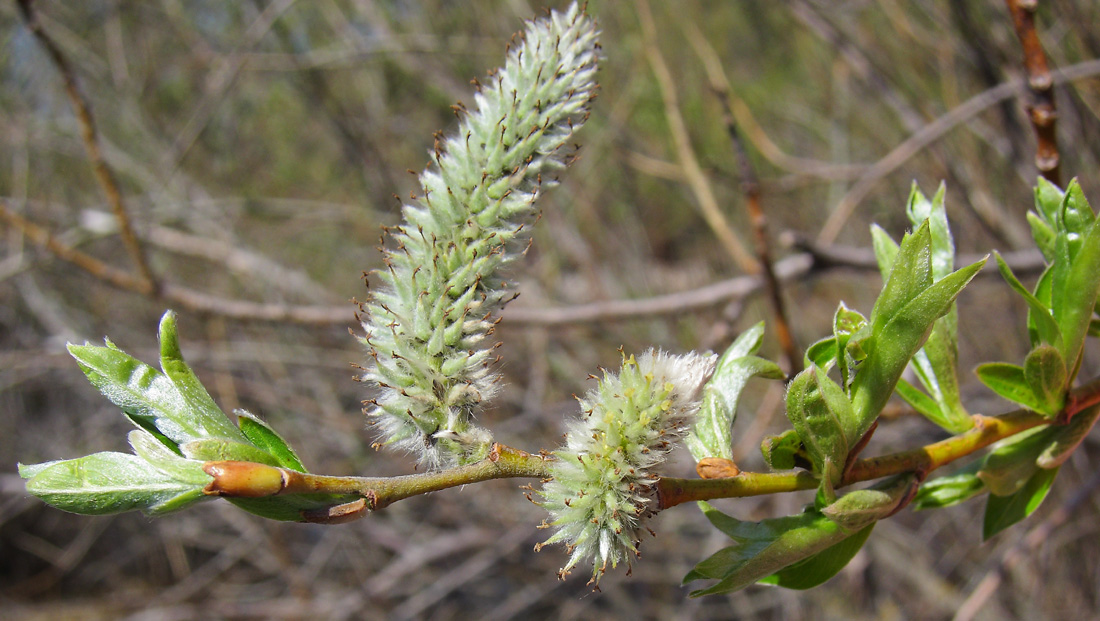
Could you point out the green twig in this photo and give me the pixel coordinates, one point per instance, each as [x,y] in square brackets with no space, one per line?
[251,480]
[986,431]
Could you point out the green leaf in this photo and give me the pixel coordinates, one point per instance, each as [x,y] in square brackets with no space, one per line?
[897,337]
[949,490]
[822,415]
[783,451]
[858,509]
[1068,438]
[920,209]
[886,250]
[1045,372]
[219,449]
[910,274]
[822,353]
[920,402]
[1008,381]
[1045,327]
[1013,461]
[762,548]
[819,568]
[146,396]
[203,412]
[1043,235]
[1004,511]
[104,483]
[263,436]
[149,448]
[1074,296]
[847,323]
[712,435]
[1048,200]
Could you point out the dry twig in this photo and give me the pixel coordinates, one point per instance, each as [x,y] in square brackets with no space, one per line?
[693,172]
[83,111]
[1041,109]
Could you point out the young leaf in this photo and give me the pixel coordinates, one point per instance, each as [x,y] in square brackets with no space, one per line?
[203,413]
[886,250]
[104,483]
[910,274]
[1004,511]
[219,449]
[1045,372]
[149,448]
[921,402]
[1008,381]
[949,490]
[762,548]
[263,436]
[822,415]
[920,209]
[1013,461]
[711,435]
[1043,235]
[819,568]
[146,396]
[896,337]
[1048,200]
[856,510]
[784,451]
[1046,329]
[847,323]
[1074,296]
[1068,438]
[823,353]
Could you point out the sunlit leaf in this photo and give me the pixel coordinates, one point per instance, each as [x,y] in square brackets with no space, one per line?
[104,483]
[203,413]
[1008,381]
[263,436]
[712,434]
[762,548]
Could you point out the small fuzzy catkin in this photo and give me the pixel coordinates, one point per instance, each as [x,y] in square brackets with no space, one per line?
[435,302]
[602,484]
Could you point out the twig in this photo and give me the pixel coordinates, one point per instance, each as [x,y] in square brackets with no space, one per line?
[693,172]
[930,133]
[746,121]
[186,298]
[986,431]
[250,480]
[1041,110]
[83,111]
[750,186]
[221,79]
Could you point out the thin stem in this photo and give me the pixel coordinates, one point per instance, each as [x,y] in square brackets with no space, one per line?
[750,187]
[986,431]
[693,172]
[106,178]
[251,480]
[1041,109]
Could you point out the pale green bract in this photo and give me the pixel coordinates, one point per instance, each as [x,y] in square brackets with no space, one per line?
[441,288]
[603,480]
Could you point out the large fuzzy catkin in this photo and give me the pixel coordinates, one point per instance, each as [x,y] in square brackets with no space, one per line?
[435,302]
[602,482]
